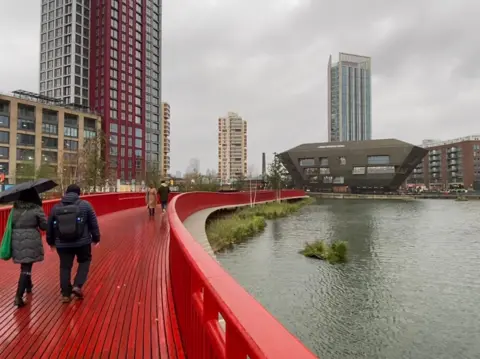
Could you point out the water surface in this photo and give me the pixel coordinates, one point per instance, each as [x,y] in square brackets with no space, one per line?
[411,288]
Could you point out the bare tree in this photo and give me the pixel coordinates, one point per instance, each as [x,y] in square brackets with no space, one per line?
[93,162]
[277,176]
[153,175]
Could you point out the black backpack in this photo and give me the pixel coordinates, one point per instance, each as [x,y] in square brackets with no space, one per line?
[68,222]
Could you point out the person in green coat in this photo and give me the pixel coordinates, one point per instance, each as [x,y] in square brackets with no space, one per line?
[163,192]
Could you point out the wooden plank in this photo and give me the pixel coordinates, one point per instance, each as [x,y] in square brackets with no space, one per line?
[127,310]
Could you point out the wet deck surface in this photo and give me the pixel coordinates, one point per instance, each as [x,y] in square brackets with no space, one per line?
[126,312]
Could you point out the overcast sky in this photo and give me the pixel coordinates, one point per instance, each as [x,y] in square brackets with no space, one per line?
[267,60]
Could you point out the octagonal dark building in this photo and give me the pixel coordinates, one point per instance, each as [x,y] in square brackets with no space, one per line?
[355,166]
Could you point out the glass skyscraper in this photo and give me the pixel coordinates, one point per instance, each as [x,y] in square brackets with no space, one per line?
[349,98]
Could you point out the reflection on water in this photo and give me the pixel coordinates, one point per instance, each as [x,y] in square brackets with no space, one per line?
[411,288]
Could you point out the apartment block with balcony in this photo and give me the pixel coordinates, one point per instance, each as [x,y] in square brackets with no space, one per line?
[450,164]
[35,132]
[165,164]
[232,148]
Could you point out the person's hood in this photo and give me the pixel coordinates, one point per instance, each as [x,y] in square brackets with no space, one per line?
[70,197]
[24,205]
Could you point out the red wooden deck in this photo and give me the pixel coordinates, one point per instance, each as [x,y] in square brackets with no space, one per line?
[126,312]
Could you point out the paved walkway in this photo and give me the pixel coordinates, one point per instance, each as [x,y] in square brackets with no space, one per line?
[126,312]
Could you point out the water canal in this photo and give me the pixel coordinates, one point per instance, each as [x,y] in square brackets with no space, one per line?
[411,288]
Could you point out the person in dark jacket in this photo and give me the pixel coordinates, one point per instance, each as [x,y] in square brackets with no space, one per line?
[80,247]
[27,247]
[163,191]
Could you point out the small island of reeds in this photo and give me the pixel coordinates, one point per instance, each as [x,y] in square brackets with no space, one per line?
[245,222]
[336,252]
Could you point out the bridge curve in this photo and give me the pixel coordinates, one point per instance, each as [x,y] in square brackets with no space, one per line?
[153,292]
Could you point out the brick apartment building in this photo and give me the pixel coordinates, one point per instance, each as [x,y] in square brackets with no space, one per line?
[449,164]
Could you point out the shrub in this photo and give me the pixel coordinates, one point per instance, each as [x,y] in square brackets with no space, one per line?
[335,253]
[247,222]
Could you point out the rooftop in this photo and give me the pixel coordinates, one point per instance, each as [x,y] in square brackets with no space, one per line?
[351,145]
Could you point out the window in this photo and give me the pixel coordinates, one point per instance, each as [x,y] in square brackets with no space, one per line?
[70,145]
[4,137]
[49,157]
[310,171]
[25,140]
[307,162]
[324,171]
[114,139]
[4,121]
[4,168]
[342,160]
[4,151]
[138,143]
[26,124]
[358,170]
[71,126]
[323,161]
[70,132]
[339,180]
[378,160]
[89,133]
[113,128]
[25,155]
[138,132]
[381,170]
[49,142]
[327,179]
[49,128]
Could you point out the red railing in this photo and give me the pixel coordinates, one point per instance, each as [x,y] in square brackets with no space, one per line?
[203,293]
[103,203]
[202,290]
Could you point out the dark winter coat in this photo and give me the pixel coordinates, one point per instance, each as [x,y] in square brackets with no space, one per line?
[28,219]
[163,191]
[91,233]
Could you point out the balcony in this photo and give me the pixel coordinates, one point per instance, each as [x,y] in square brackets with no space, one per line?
[452,150]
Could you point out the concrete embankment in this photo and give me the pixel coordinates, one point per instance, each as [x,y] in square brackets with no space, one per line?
[361,196]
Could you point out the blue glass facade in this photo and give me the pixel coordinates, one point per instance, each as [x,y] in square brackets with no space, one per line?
[350,116]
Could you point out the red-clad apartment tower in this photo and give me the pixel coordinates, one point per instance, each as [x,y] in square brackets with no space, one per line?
[125,83]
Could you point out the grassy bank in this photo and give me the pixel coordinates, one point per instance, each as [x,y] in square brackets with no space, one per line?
[336,252]
[245,222]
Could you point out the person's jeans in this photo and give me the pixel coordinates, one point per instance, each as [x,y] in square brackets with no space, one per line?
[67,255]
[164,205]
[25,280]
[151,211]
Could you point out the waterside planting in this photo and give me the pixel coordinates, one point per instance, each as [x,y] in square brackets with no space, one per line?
[245,222]
[336,252]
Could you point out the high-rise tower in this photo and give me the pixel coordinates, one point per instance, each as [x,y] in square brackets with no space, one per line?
[349,98]
[107,55]
[232,147]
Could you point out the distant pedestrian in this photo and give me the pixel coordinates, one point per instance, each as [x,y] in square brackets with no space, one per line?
[72,227]
[164,190]
[151,199]
[27,247]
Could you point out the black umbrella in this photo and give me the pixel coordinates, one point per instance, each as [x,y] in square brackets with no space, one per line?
[13,194]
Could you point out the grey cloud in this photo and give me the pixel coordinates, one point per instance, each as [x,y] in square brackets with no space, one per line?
[267,61]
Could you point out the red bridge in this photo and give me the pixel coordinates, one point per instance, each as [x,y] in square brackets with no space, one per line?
[153,292]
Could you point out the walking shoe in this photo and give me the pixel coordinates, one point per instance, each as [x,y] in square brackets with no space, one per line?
[19,302]
[77,292]
[66,299]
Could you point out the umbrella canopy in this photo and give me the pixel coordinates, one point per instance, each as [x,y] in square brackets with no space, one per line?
[14,193]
